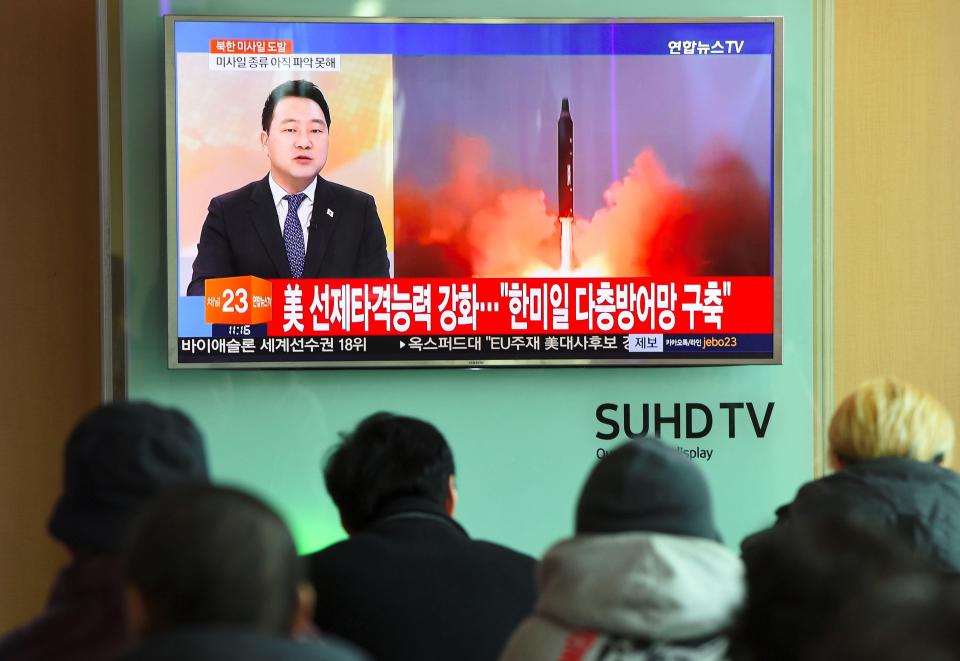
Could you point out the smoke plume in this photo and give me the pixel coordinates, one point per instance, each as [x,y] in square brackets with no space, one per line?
[478,223]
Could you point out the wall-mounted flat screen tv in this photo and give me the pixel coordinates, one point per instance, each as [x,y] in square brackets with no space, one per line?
[431,192]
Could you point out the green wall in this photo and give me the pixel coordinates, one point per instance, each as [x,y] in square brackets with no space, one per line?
[523,439]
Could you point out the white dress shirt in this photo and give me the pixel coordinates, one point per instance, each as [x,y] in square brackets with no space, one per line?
[304,211]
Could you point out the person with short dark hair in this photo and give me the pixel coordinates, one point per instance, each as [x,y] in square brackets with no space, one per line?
[292,223]
[116,458]
[409,583]
[213,573]
[303,89]
[645,577]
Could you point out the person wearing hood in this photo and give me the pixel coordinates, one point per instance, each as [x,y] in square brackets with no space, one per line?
[888,442]
[645,576]
[116,459]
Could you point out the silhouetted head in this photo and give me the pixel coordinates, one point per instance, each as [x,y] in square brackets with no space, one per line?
[116,459]
[646,486]
[385,458]
[213,557]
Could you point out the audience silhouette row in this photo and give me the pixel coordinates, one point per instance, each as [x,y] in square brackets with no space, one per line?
[862,564]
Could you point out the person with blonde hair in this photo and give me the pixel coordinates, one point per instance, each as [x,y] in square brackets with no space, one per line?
[889,418]
[888,442]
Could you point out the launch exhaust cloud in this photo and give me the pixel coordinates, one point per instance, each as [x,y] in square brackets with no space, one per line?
[480,223]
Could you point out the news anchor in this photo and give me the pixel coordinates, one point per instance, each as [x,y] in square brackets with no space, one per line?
[292,223]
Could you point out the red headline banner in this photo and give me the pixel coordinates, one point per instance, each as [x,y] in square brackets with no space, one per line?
[488,306]
[414,306]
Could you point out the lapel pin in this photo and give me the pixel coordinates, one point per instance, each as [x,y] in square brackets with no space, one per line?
[330,212]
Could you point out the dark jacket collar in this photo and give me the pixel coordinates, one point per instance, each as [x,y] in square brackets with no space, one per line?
[899,467]
[408,508]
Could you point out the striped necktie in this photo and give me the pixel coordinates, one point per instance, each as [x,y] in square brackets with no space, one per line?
[293,234]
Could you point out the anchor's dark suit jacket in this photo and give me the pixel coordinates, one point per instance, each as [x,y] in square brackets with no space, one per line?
[241,236]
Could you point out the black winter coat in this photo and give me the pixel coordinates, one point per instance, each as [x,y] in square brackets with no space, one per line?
[413,585]
[918,502]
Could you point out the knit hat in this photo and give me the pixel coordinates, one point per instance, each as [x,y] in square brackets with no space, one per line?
[646,485]
[117,458]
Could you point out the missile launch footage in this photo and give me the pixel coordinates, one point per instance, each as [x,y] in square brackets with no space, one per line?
[668,182]
[565,184]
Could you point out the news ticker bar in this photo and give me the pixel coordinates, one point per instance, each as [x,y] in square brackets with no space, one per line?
[238,344]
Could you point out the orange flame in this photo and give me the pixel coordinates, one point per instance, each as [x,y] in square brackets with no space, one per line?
[478,224]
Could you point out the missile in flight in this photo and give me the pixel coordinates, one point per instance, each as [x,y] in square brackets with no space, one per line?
[565,184]
[565,160]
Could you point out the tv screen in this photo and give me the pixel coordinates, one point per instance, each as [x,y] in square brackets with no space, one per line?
[412,192]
